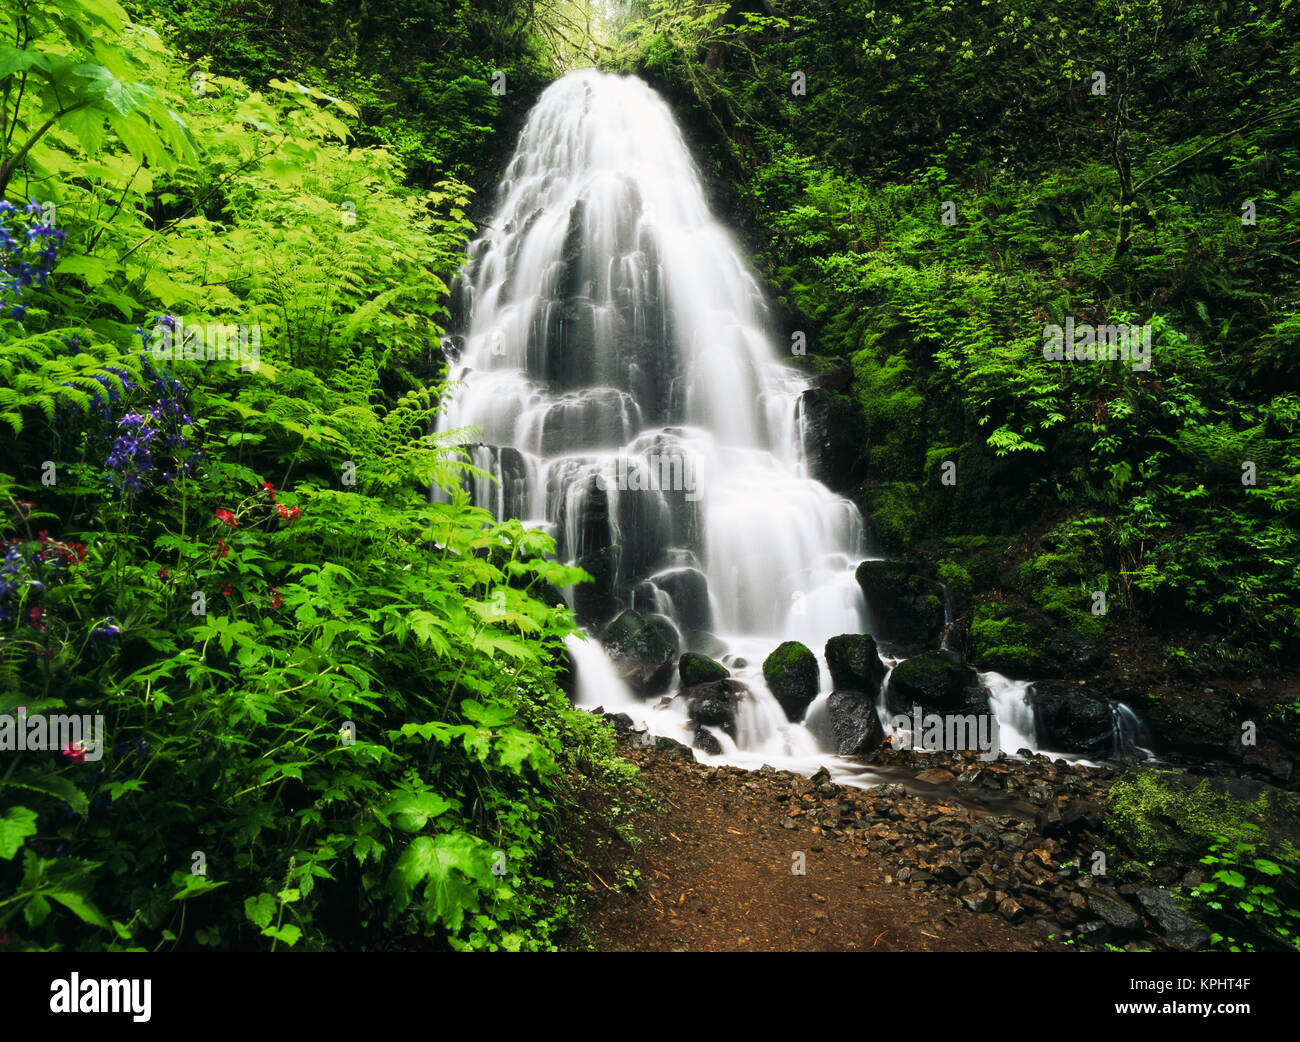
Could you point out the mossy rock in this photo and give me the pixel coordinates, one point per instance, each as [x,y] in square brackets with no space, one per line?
[700,669]
[1011,639]
[1174,818]
[1062,586]
[854,663]
[936,683]
[1002,639]
[793,677]
[906,607]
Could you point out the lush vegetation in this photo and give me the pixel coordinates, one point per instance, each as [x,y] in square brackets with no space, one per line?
[330,715]
[935,183]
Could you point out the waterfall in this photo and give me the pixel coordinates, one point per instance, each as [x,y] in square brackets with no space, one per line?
[619,360]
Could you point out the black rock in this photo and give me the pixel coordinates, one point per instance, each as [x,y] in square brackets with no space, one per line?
[906,607]
[715,703]
[689,590]
[813,412]
[640,652]
[706,742]
[1070,719]
[1112,908]
[1174,922]
[854,662]
[936,683]
[854,725]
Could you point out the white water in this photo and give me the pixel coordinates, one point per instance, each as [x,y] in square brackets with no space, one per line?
[613,330]
[633,402]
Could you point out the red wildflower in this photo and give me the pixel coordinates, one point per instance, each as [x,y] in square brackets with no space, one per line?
[222,549]
[288,513]
[227,517]
[276,600]
[226,590]
[163,573]
[270,490]
[76,752]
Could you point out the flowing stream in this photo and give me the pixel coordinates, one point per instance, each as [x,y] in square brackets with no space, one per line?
[633,402]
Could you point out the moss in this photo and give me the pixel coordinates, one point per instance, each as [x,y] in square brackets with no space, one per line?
[700,669]
[787,660]
[1061,585]
[957,579]
[892,510]
[1159,817]
[1001,642]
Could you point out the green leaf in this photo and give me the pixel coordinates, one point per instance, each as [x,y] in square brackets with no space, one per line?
[1269,868]
[15,826]
[260,909]
[288,933]
[192,886]
[450,867]
[412,810]
[80,906]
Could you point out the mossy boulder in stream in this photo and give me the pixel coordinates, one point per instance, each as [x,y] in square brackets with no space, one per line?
[936,683]
[700,669]
[854,663]
[793,678]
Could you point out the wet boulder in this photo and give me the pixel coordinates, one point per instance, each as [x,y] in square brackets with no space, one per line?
[936,683]
[906,607]
[641,653]
[700,669]
[714,704]
[595,603]
[813,414]
[854,724]
[793,678]
[1068,719]
[689,590]
[854,662]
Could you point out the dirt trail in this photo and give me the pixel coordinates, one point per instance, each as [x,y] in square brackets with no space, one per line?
[722,876]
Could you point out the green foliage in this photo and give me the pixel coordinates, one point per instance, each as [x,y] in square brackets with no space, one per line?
[1257,898]
[1102,208]
[1159,819]
[329,704]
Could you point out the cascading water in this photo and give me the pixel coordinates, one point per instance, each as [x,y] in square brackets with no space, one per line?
[618,361]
